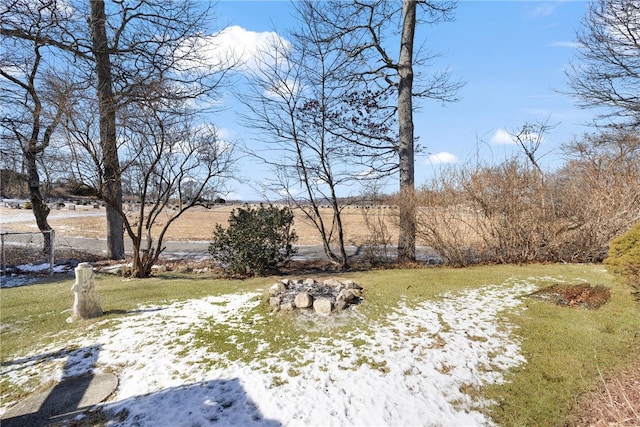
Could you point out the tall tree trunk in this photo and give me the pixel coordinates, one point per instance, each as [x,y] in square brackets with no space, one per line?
[407,233]
[112,187]
[40,208]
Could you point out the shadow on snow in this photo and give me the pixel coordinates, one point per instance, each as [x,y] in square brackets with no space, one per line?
[218,402]
[221,401]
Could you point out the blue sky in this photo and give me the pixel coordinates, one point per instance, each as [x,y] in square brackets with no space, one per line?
[511,54]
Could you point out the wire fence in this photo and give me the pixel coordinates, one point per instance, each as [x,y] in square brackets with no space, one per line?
[27,252]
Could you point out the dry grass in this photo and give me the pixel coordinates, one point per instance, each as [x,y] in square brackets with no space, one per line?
[615,403]
[198,224]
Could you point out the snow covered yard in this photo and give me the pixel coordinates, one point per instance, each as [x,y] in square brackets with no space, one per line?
[420,364]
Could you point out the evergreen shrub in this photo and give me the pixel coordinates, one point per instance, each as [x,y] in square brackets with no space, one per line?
[623,259]
[256,241]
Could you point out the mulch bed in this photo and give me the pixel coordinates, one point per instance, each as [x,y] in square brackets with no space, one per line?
[581,295]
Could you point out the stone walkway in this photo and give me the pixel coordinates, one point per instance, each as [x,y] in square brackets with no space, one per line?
[62,403]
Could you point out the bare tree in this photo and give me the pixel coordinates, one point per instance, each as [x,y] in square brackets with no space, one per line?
[510,212]
[530,137]
[170,160]
[33,100]
[112,186]
[607,72]
[406,139]
[297,90]
[181,164]
[599,188]
[130,48]
[366,29]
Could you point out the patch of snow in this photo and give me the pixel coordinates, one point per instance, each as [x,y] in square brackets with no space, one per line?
[31,268]
[17,216]
[23,274]
[408,369]
[13,281]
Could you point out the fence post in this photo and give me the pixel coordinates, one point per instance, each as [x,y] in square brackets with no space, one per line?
[51,251]
[4,261]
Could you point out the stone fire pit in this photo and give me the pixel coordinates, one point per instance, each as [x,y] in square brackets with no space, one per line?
[311,295]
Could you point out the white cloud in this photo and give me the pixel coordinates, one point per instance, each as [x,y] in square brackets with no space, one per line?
[542,10]
[501,136]
[224,134]
[238,45]
[525,136]
[442,158]
[569,44]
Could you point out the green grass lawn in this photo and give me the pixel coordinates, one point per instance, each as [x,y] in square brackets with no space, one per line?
[566,348]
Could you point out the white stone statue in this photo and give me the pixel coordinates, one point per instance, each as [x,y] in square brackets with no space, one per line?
[87,302]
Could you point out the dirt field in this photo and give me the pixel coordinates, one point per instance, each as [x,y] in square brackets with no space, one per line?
[195,224]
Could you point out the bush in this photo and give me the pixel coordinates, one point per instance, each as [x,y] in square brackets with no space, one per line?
[624,259]
[512,212]
[256,241]
[80,189]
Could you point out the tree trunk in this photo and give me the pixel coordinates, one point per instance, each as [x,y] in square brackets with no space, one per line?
[39,207]
[337,217]
[112,188]
[407,232]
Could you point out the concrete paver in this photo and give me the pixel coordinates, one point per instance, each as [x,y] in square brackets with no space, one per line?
[64,401]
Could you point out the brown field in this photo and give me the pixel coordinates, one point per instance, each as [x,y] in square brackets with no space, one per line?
[196,223]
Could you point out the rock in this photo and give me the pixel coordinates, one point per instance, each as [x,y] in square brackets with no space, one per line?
[346,295]
[322,306]
[303,300]
[341,305]
[332,283]
[276,289]
[350,284]
[309,294]
[275,301]
[287,306]
[113,269]
[159,268]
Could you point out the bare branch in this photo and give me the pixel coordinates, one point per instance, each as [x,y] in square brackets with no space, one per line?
[607,72]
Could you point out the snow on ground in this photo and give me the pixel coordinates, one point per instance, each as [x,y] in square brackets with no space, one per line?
[26,274]
[411,368]
[13,216]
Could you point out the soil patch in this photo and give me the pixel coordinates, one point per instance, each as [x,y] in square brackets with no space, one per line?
[582,295]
